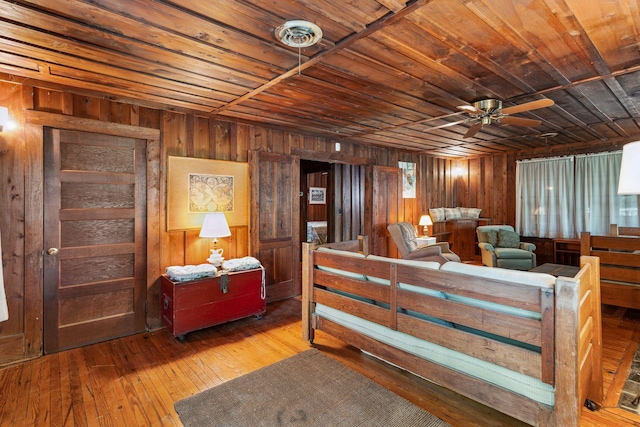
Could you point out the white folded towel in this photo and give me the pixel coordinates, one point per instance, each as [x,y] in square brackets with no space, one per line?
[240,264]
[182,273]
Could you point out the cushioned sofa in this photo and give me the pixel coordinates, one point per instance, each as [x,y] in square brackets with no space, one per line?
[500,246]
[527,344]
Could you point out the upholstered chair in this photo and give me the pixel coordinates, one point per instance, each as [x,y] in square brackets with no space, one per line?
[500,246]
[404,236]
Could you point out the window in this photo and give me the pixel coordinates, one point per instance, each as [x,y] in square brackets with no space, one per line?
[561,197]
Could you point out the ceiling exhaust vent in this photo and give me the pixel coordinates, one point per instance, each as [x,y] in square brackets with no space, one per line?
[298,33]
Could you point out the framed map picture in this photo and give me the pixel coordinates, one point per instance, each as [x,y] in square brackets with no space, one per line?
[198,186]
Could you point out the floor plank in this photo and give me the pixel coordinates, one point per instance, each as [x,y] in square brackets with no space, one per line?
[136,380]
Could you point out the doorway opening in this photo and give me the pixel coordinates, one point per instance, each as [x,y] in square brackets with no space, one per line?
[316,196]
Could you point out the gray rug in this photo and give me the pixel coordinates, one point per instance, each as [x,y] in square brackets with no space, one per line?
[631,389]
[308,389]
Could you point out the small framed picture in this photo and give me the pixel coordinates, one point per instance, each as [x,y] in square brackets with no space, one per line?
[317,196]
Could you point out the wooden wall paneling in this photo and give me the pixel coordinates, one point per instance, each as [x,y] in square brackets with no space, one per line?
[260,139]
[18,161]
[86,107]
[294,140]
[317,212]
[118,112]
[244,138]
[33,218]
[201,146]
[438,188]
[510,189]
[149,118]
[239,242]
[500,181]
[276,141]
[346,202]
[308,142]
[52,101]
[461,183]
[357,202]
[487,189]
[174,135]
[155,226]
[196,249]
[474,183]
[224,137]
[337,230]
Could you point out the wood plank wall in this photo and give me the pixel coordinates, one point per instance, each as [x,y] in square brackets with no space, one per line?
[483,183]
[317,212]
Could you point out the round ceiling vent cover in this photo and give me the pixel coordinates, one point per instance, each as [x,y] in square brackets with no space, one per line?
[298,33]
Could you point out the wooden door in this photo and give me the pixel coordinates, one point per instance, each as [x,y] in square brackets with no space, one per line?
[383,198]
[94,237]
[275,221]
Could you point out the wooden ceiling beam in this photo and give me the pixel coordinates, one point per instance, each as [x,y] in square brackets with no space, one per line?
[388,19]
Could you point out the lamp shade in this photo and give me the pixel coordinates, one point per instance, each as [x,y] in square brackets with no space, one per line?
[4,117]
[425,220]
[630,169]
[214,226]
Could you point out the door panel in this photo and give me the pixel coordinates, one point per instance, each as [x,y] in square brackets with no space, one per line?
[275,221]
[383,194]
[95,238]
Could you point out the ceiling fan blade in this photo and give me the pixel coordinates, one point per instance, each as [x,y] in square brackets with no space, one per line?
[528,106]
[469,109]
[473,130]
[519,121]
[444,126]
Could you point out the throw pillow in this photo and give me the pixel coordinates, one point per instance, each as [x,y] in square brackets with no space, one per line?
[452,213]
[437,214]
[508,239]
[491,237]
[472,213]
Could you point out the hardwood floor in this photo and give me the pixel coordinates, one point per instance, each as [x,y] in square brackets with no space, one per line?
[134,381]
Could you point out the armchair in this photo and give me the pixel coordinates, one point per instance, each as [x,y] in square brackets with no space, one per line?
[404,236]
[500,246]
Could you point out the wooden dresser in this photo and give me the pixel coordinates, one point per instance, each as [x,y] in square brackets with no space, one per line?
[461,235]
[198,304]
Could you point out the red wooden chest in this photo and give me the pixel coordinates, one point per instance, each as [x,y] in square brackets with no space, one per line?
[198,304]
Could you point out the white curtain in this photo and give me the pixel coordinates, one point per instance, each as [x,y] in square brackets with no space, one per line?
[4,311]
[557,199]
[545,194]
[597,201]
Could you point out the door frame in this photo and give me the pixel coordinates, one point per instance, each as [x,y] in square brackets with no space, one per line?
[35,122]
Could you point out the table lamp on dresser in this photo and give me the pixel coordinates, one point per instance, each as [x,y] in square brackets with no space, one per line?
[425,221]
[215,226]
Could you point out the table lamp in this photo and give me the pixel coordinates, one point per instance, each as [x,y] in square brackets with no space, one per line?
[214,226]
[425,221]
[630,169]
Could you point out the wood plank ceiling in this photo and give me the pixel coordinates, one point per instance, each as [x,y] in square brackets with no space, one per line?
[386,72]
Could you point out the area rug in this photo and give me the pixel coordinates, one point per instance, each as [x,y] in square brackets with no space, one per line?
[308,389]
[629,397]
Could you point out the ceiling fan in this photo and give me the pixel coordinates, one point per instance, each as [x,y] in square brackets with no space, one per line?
[488,111]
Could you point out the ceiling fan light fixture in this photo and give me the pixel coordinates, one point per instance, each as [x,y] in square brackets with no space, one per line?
[489,106]
[298,33]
